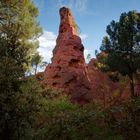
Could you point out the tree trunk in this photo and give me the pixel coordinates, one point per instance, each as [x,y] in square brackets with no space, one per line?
[35,69]
[132,89]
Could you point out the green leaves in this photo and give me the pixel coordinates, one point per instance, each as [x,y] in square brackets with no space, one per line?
[19,97]
[122,45]
[18,26]
[36,61]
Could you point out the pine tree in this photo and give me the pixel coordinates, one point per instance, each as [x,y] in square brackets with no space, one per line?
[122,46]
[18,31]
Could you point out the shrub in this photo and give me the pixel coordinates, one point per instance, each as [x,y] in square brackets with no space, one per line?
[66,121]
[124,119]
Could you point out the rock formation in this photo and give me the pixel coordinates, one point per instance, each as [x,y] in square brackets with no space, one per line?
[104,90]
[68,69]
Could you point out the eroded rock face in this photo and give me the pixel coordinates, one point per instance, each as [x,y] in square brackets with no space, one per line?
[104,90]
[68,69]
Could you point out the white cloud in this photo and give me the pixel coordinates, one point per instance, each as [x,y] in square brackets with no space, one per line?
[79,5]
[86,52]
[83,36]
[47,43]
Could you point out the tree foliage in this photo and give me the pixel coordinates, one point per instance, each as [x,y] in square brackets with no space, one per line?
[122,46]
[36,61]
[18,30]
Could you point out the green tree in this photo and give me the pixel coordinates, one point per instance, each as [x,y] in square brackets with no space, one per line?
[19,28]
[96,52]
[123,46]
[36,61]
[18,31]
[88,57]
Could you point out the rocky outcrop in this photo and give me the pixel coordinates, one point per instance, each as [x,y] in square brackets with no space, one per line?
[104,90]
[68,69]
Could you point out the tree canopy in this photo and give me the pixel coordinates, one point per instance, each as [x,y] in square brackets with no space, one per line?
[122,45]
[19,29]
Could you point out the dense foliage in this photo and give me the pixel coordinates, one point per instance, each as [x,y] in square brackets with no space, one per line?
[18,29]
[122,46]
[62,120]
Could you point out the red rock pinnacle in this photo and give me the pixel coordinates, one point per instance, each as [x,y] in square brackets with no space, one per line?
[68,70]
[67,24]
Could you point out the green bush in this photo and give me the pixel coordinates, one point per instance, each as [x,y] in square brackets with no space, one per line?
[124,119]
[40,114]
[66,121]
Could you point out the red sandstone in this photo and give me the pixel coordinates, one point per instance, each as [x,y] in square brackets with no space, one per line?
[69,71]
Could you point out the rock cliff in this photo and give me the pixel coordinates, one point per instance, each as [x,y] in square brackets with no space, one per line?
[104,90]
[68,70]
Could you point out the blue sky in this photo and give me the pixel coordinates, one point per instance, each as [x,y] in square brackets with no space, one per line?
[92,17]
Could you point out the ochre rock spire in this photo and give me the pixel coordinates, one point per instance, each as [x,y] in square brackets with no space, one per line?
[68,69]
[67,23]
